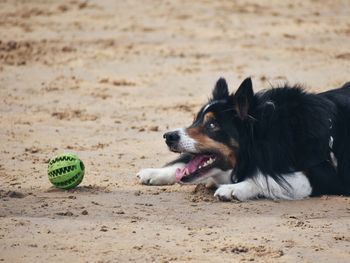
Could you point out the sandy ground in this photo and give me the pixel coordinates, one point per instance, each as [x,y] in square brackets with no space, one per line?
[104,79]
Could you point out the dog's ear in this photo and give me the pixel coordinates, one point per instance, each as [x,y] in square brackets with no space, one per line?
[243,98]
[220,90]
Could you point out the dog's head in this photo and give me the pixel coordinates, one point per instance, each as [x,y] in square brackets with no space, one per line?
[213,139]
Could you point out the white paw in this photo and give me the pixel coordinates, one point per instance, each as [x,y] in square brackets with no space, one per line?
[147,176]
[156,176]
[225,193]
[240,191]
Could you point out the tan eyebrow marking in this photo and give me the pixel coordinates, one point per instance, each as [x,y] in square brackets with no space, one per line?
[208,116]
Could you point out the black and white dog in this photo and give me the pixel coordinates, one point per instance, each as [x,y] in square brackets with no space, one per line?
[281,143]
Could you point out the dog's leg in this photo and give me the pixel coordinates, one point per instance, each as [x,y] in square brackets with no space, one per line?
[164,175]
[242,191]
[159,176]
[297,187]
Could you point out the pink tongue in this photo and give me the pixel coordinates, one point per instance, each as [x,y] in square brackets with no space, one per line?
[180,173]
[190,167]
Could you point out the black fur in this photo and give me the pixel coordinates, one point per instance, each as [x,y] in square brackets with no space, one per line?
[290,130]
[341,132]
[284,130]
[221,89]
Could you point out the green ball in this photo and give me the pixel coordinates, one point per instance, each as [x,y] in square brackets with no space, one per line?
[66,171]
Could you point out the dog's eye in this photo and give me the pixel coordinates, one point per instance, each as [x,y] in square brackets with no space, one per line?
[212,125]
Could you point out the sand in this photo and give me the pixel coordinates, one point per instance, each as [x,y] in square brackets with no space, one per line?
[105,79]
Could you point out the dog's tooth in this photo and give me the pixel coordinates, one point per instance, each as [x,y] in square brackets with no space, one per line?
[200,167]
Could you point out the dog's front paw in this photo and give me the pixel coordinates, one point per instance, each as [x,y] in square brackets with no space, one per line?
[156,176]
[238,191]
[147,176]
[225,193]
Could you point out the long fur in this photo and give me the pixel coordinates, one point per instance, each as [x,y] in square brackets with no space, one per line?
[291,130]
[273,134]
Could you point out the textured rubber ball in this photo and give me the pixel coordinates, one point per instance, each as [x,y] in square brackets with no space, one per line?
[66,171]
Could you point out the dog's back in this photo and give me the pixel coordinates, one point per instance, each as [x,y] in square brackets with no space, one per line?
[343,91]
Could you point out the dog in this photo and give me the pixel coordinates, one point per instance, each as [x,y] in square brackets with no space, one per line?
[279,143]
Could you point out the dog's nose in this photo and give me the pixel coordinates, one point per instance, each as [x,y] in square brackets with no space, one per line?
[171,137]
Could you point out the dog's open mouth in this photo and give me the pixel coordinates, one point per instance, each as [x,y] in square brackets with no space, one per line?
[196,168]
